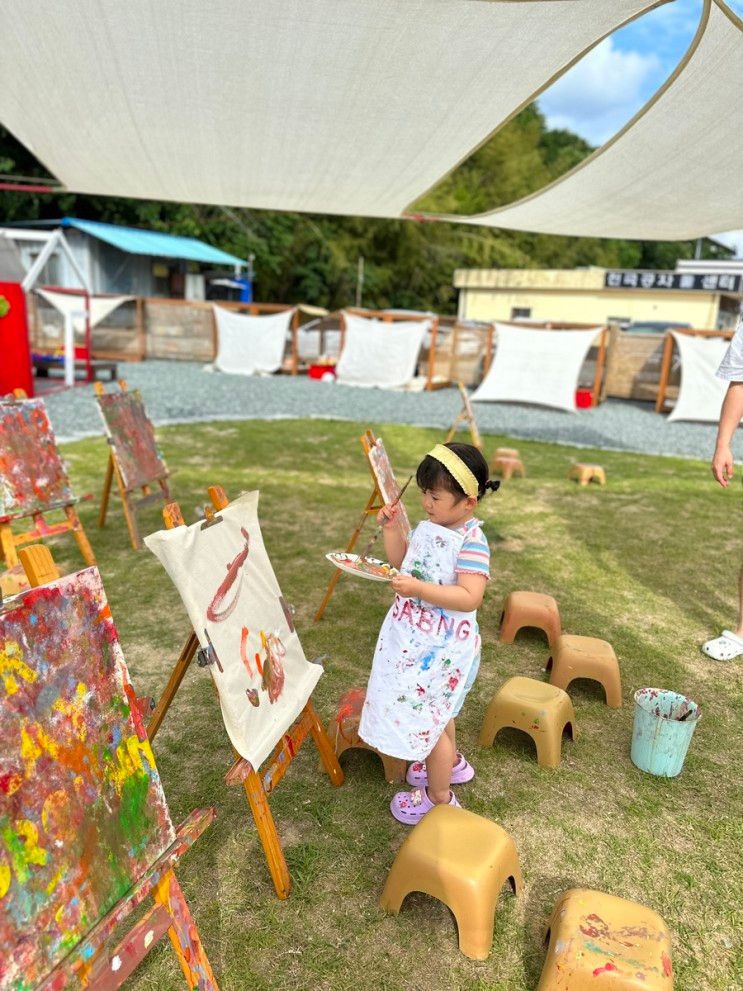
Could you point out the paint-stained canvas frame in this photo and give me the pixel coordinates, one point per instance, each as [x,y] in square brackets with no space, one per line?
[224,576]
[384,476]
[33,477]
[132,437]
[82,810]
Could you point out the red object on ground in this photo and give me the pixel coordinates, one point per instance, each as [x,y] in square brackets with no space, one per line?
[15,367]
[317,371]
[583,398]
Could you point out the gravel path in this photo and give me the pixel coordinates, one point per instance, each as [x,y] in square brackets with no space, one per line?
[182,392]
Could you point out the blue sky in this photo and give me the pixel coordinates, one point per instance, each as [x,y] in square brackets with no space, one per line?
[599,95]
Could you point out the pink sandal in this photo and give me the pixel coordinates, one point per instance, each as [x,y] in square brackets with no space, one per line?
[409,807]
[462,772]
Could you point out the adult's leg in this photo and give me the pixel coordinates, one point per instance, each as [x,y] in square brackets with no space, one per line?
[439,764]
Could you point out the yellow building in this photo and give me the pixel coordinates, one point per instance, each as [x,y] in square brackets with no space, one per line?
[700,294]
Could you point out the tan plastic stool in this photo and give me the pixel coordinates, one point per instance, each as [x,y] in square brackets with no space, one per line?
[503,452]
[599,941]
[507,467]
[343,731]
[529,609]
[584,473]
[586,657]
[463,860]
[540,710]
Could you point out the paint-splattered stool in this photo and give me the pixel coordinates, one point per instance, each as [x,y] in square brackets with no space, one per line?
[343,730]
[584,473]
[507,467]
[586,657]
[529,609]
[463,860]
[600,941]
[506,452]
[542,711]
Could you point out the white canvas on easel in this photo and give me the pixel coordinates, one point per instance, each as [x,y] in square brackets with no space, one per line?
[224,576]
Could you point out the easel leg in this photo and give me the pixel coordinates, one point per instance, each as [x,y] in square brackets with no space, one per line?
[267,832]
[176,677]
[370,506]
[184,935]
[325,747]
[165,488]
[106,491]
[8,546]
[131,520]
[453,429]
[80,536]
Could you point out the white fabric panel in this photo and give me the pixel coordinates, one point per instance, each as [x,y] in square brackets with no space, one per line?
[380,354]
[674,174]
[731,366]
[225,578]
[536,366]
[247,345]
[100,306]
[331,106]
[701,392]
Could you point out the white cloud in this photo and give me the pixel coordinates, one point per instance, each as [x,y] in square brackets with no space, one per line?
[600,94]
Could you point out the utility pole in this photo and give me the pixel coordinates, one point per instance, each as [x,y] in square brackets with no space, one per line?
[359,281]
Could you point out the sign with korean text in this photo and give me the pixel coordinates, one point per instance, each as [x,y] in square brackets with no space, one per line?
[724,282]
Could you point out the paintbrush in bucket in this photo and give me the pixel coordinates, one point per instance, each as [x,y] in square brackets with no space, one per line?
[376,533]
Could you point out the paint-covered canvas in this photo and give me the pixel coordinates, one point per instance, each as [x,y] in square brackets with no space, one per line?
[33,477]
[132,436]
[82,811]
[224,576]
[381,467]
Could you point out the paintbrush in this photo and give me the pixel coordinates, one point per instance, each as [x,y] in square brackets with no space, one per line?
[376,533]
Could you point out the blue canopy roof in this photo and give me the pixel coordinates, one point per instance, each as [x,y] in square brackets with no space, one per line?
[140,242]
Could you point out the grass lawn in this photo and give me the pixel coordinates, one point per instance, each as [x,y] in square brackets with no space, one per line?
[647,563]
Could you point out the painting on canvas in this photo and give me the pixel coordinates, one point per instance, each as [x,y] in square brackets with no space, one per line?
[224,576]
[381,467]
[132,436]
[33,477]
[82,811]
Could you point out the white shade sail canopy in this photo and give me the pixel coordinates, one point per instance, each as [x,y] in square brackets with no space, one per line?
[74,304]
[540,367]
[674,172]
[380,354]
[701,393]
[250,345]
[332,106]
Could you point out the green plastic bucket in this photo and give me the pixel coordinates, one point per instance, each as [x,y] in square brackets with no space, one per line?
[664,725]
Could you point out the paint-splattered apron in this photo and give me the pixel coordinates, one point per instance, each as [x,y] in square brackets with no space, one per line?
[423,656]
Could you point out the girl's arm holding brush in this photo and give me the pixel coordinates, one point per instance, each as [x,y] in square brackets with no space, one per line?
[395,542]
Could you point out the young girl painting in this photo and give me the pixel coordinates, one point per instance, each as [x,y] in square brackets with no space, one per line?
[428,650]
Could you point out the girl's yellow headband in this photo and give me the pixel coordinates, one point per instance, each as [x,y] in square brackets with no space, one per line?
[457,468]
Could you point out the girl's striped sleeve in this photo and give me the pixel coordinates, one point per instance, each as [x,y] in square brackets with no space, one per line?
[474,556]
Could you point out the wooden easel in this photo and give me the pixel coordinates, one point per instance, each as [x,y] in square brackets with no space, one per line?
[465,415]
[665,363]
[126,491]
[376,501]
[91,963]
[41,530]
[257,785]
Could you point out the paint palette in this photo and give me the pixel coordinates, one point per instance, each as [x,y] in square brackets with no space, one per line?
[370,567]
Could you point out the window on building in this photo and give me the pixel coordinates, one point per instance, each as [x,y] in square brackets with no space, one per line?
[520,312]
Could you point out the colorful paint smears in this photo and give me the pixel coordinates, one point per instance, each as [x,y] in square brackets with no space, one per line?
[33,477]
[82,811]
[381,467]
[132,436]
